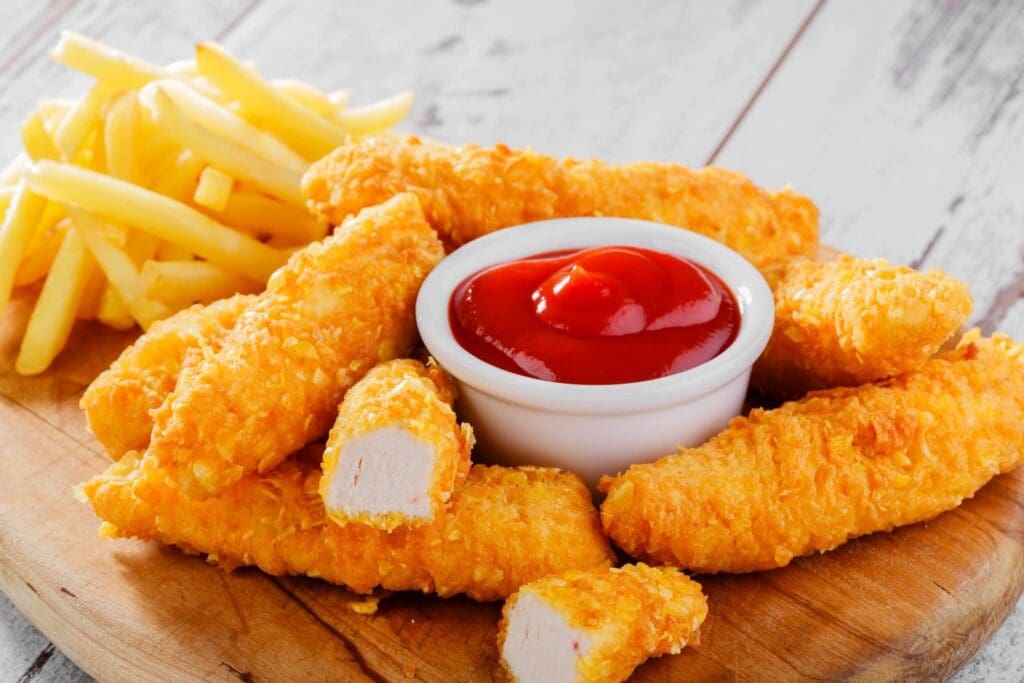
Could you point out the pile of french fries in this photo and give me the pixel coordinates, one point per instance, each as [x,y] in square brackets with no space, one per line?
[162,187]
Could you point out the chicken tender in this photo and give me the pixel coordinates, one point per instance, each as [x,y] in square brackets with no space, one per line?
[504,527]
[852,321]
[118,403]
[331,313]
[396,452]
[467,192]
[598,625]
[841,463]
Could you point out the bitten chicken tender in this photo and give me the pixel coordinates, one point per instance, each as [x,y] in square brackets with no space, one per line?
[396,452]
[467,192]
[504,527]
[118,403]
[851,321]
[337,308]
[841,463]
[598,625]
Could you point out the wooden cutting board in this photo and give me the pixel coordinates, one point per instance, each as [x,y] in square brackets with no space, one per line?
[914,604]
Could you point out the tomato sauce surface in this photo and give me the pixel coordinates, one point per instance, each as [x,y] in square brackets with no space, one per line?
[606,315]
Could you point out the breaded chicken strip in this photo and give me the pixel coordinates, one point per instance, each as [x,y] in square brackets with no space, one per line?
[467,192]
[118,403]
[331,313]
[598,625]
[814,473]
[505,527]
[397,451]
[851,321]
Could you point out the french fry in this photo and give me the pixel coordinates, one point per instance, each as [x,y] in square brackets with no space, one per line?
[229,125]
[120,270]
[156,214]
[19,225]
[93,290]
[258,214]
[242,164]
[121,138]
[214,189]
[37,141]
[74,130]
[50,323]
[302,129]
[112,311]
[177,178]
[40,256]
[111,67]
[53,112]
[6,197]
[172,252]
[183,283]
[339,100]
[304,94]
[376,117]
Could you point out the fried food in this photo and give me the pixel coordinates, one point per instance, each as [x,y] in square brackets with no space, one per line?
[598,625]
[467,192]
[841,463]
[118,403]
[851,321]
[505,527]
[396,452]
[336,309]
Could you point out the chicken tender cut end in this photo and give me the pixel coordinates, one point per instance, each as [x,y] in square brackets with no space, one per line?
[384,474]
[396,452]
[852,321]
[468,191]
[540,646]
[119,402]
[840,463]
[598,625]
[337,308]
[504,527]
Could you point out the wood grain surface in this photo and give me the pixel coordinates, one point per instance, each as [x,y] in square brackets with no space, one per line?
[902,119]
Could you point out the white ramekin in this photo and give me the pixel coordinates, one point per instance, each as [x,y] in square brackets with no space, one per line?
[594,429]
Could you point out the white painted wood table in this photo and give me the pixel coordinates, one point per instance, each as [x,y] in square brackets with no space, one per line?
[904,120]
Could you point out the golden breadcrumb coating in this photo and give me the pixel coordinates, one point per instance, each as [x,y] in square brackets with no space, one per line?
[841,463]
[331,313]
[851,321]
[405,395]
[504,527]
[467,192]
[630,614]
[118,403]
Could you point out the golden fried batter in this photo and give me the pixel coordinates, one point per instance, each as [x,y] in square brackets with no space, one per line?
[505,527]
[333,311]
[467,192]
[841,463]
[117,404]
[851,321]
[598,625]
[397,450]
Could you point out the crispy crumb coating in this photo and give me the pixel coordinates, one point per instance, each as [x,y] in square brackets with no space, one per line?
[840,463]
[118,403]
[411,396]
[851,321]
[467,192]
[630,613]
[504,527]
[331,313]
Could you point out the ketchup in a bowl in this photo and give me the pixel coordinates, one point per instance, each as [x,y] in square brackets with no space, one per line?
[606,315]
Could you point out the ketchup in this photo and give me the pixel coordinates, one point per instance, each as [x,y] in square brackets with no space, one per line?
[607,315]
